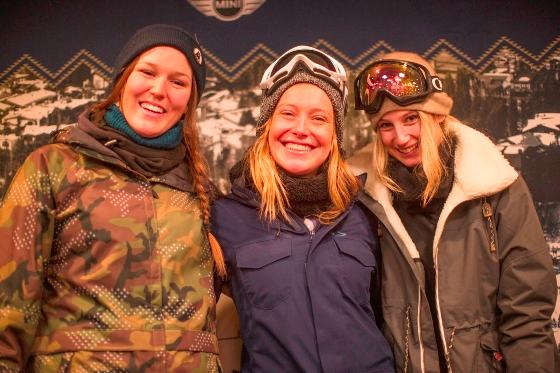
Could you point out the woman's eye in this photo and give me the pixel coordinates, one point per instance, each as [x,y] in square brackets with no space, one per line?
[384,126]
[411,118]
[147,72]
[179,83]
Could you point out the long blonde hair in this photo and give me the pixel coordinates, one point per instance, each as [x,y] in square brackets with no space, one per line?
[342,184]
[433,134]
[197,167]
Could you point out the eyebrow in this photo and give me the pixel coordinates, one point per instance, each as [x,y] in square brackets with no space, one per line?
[154,65]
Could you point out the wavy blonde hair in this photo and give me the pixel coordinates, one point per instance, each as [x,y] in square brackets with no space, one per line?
[433,133]
[342,184]
[197,167]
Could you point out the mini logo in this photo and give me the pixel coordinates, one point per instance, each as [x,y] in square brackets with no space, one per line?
[197,56]
[226,10]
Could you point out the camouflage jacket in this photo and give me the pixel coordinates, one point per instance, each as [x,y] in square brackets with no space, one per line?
[103,270]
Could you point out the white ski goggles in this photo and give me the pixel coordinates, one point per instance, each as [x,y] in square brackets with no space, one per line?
[314,61]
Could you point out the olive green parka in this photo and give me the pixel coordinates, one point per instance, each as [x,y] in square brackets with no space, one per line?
[495,284]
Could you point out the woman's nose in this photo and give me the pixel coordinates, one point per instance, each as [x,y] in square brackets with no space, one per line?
[300,127]
[158,87]
[401,134]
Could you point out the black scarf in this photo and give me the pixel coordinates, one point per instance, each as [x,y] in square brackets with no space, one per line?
[413,182]
[145,160]
[306,196]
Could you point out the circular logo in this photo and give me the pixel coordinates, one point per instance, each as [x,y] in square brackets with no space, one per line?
[228,10]
[197,56]
[437,84]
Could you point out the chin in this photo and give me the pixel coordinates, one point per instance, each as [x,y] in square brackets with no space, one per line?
[300,173]
[148,133]
[410,164]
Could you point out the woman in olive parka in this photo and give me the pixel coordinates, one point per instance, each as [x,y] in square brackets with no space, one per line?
[468,283]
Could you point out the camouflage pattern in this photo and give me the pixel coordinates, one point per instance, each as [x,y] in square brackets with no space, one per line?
[101,269]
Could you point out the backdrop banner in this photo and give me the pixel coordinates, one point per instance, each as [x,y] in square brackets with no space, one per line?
[500,61]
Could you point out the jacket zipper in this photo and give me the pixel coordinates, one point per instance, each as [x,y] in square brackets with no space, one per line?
[420,330]
[440,323]
[488,215]
[310,241]
[407,340]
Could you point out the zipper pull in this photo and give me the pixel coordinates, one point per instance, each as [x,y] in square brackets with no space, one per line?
[486,209]
[487,213]
[310,225]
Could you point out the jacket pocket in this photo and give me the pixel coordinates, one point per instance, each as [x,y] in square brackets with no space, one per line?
[491,359]
[265,269]
[357,266]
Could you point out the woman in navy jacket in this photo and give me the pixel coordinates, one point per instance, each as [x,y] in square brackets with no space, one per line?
[299,247]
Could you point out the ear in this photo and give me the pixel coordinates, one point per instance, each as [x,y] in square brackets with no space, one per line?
[440,118]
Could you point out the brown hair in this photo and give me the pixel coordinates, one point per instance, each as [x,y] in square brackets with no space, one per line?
[98,110]
[342,184]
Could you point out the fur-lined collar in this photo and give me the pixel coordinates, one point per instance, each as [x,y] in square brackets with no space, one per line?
[480,170]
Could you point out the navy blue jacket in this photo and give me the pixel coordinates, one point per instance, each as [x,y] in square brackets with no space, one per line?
[304,299]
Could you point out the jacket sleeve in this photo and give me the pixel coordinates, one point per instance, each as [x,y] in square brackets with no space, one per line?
[527,292]
[26,228]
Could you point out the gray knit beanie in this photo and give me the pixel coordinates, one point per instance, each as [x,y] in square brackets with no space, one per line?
[269,103]
[168,35]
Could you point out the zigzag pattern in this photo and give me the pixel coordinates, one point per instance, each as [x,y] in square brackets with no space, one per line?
[231,73]
[501,45]
[83,57]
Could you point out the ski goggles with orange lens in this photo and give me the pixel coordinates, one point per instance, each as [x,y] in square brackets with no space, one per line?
[403,82]
[313,61]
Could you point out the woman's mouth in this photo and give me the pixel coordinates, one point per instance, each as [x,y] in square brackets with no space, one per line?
[298,148]
[408,149]
[153,108]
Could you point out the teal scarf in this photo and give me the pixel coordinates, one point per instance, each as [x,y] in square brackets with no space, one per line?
[168,140]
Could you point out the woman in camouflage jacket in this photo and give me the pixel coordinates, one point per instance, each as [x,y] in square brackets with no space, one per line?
[106,264]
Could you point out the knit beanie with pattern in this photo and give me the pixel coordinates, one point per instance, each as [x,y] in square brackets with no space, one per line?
[436,103]
[269,103]
[163,35]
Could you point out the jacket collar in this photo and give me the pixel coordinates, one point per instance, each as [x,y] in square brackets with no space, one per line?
[87,145]
[480,170]
[242,193]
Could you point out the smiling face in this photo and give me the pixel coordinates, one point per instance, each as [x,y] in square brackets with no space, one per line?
[157,91]
[399,131]
[302,130]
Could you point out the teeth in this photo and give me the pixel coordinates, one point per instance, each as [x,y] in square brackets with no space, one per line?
[298,147]
[409,149]
[151,107]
